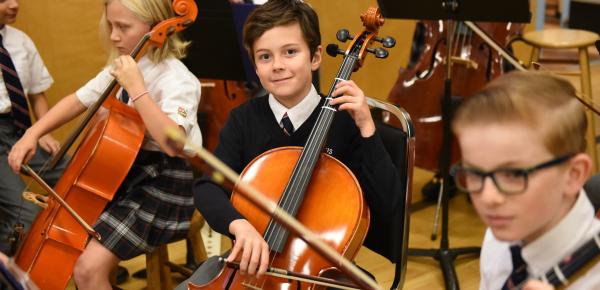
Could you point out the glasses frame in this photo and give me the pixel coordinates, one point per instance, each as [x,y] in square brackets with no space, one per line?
[492,174]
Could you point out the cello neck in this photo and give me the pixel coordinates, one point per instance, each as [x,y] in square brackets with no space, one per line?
[293,195]
[576,264]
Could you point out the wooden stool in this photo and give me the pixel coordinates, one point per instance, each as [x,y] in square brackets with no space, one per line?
[560,38]
[158,266]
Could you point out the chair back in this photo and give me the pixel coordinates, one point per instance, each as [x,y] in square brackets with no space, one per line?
[592,189]
[389,237]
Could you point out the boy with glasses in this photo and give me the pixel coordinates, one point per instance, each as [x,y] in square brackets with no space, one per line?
[524,166]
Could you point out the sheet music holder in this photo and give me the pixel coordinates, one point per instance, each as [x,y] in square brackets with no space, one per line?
[216,51]
[472,10]
[452,10]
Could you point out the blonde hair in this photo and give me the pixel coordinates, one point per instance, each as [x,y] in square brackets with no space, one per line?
[540,100]
[151,12]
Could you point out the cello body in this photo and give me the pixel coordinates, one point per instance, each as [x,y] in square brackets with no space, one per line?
[420,87]
[88,183]
[333,208]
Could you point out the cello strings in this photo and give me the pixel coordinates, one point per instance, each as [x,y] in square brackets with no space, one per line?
[312,150]
[301,176]
[323,126]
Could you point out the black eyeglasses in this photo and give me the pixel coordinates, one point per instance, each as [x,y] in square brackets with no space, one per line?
[507,180]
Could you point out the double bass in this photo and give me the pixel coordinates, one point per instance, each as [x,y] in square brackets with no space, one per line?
[307,184]
[113,131]
[219,97]
[420,87]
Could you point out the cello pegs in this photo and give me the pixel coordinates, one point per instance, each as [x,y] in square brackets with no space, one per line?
[333,50]
[379,52]
[388,41]
[343,35]
[187,23]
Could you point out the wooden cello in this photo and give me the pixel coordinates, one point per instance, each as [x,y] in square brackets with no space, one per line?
[308,185]
[114,131]
[420,86]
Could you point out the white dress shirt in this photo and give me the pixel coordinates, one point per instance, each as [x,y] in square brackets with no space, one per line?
[171,85]
[574,230]
[300,112]
[29,65]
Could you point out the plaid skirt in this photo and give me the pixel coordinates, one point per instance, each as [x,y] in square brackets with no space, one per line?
[153,206]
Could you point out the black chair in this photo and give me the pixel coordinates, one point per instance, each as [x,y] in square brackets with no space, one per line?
[592,188]
[389,237]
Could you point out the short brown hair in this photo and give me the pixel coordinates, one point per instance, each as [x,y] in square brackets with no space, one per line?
[542,101]
[280,13]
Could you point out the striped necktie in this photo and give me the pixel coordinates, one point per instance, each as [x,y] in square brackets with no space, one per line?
[519,271]
[18,100]
[286,125]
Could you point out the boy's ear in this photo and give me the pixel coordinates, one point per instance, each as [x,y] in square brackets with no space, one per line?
[579,171]
[316,59]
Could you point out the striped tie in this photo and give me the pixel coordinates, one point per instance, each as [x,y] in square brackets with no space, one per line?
[286,125]
[18,100]
[519,272]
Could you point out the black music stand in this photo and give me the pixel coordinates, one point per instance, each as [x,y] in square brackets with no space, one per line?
[452,10]
[216,51]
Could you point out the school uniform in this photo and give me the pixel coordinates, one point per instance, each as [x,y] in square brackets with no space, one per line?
[574,230]
[254,128]
[35,79]
[154,204]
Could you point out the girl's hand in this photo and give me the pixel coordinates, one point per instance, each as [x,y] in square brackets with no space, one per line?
[127,73]
[49,144]
[22,151]
[537,285]
[252,247]
[352,99]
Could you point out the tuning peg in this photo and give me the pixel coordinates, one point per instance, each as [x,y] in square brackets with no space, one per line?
[379,52]
[343,35]
[333,50]
[388,41]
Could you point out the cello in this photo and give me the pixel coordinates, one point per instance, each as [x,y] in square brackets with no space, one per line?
[300,181]
[420,86]
[114,131]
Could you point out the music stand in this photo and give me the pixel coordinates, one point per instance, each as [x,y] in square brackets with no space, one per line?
[216,35]
[452,10]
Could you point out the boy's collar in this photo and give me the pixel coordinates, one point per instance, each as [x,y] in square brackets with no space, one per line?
[299,113]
